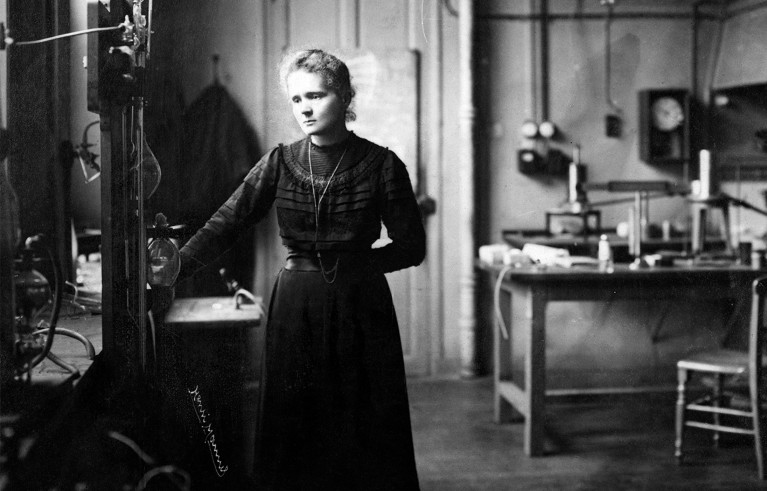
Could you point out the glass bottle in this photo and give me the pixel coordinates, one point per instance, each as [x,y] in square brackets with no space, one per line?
[605,255]
[164,260]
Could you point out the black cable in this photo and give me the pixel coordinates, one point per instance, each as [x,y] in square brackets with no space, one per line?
[59,286]
[743,204]
[90,350]
[66,35]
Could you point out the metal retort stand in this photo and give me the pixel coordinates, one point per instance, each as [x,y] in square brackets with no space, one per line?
[638,214]
[700,208]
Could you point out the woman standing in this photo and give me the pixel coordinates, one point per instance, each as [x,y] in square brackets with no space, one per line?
[334,408]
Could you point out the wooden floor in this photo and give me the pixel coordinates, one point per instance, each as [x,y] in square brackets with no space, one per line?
[615,443]
[619,443]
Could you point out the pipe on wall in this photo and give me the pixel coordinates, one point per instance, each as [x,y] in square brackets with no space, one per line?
[694,48]
[734,12]
[541,56]
[595,17]
[467,321]
[548,17]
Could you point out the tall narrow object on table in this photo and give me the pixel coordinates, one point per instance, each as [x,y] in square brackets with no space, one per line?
[573,194]
[703,202]
[704,174]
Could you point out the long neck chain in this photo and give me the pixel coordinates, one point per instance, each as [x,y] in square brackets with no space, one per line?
[317,204]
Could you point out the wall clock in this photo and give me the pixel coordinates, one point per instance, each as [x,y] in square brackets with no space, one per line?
[667,114]
[664,125]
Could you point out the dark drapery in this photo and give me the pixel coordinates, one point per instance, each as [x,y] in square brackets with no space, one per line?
[216,148]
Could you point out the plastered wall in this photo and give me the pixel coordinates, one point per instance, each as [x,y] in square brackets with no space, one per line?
[251,36]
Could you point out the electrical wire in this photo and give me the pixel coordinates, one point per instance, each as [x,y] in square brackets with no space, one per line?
[90,350]
[244,293]
[69,34]
[86,157]
[152,328]
[66,366]
[132,445]
[497,302]
[179,477]
[449,8]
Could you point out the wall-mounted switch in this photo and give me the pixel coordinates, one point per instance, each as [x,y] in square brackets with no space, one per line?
[613,126]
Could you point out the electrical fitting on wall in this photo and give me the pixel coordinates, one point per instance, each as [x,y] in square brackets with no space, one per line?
[536,155]
[547,130]
[528,158]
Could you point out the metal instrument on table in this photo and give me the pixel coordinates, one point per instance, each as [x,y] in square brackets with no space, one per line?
[639,212]
[577,203]
[702,203]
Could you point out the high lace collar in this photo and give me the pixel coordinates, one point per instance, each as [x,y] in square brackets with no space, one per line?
[343,177]
[349,140]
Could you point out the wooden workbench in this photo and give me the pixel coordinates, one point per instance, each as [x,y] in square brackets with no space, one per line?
[533,289]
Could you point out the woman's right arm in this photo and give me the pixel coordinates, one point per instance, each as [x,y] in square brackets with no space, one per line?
[249,203]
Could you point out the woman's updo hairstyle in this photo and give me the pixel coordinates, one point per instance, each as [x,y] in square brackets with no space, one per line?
[333,71]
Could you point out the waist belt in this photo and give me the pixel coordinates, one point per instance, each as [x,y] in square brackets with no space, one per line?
[302,263]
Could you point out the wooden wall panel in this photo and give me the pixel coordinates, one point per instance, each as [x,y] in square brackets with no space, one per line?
[741,60]
[351,27]
[314,23]
[86,197]
[252,36]
[383,24]
[38,121]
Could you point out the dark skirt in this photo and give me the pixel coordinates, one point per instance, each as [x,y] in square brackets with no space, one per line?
[334,408]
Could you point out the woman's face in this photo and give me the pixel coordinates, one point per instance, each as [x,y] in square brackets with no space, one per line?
[319,110]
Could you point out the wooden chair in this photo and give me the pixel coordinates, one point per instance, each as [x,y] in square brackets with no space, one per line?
[725,365]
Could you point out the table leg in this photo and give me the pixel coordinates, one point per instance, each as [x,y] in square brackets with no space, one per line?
[535,372]
[502,365]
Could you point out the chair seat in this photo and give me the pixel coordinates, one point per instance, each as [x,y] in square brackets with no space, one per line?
[737,392]
[720,361]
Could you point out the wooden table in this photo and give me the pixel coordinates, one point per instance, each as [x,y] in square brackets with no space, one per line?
[537,287]
[211,355]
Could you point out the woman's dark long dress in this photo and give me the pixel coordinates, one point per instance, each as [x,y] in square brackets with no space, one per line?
[334,409]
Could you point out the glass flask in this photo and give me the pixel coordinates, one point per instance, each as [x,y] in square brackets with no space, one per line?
[164,260]
[150,168]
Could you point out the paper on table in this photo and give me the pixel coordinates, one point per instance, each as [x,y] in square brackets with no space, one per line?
[544,254]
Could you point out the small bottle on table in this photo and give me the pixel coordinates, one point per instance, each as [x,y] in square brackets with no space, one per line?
[605,255]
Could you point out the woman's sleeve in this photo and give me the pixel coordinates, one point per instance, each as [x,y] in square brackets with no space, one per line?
[249,203]
[402,217]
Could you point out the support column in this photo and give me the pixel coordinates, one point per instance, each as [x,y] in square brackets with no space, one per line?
[467,321]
